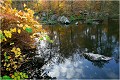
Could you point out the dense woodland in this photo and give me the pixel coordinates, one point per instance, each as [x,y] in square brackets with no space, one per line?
[73,7]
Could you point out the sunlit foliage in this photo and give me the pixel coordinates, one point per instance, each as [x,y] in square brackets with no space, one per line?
[16,35]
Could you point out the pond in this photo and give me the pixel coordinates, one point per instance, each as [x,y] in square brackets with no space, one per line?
[64,56]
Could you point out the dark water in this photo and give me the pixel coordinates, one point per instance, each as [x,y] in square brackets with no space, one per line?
[65,59]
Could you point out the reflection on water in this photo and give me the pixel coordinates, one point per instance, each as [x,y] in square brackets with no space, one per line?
[64,57]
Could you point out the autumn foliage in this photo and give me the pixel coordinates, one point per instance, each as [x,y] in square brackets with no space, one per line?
[16,36]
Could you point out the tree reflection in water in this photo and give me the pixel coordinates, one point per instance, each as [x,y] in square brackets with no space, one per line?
[70,40]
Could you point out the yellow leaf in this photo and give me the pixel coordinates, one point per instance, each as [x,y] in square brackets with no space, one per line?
[0,31]
[13,76]
[18,49]
[0,40]
[13,30]
[15,52]
[18,22]
[9,57]
[24,28]
[24,5]
[18,53]
[37,17]
[2,60]
[7,34]
[5,31]
[13,49]
[25,9]
[16,14]
[14,10]
[19,31]
[31,36]
[23,55]
[8,65]
[21,59]
[5,64]
[21,25]
[16,56]
[15,66]
[27,26]
[7,69]
[20,13]
[5,39]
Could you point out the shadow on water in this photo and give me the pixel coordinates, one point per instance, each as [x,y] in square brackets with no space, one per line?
[63,59]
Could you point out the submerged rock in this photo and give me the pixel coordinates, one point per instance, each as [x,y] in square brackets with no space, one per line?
[96,57]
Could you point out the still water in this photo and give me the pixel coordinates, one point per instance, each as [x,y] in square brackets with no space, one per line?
[64,56]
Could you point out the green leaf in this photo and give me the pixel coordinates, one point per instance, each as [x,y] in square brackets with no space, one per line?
[20,73]
[12,43]
[6,58]
[40,38]
[2,36]
[5,54]
[15,78]
[22,77]
[6,77]
[51,41]
[29,30]
[26,76]
[18,77]
[15,74]
[47,38]
[0,78]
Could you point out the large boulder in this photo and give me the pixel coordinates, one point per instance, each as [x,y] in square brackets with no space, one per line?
[96,57]
[63,20]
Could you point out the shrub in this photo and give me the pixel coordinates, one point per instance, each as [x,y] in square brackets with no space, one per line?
[16,35]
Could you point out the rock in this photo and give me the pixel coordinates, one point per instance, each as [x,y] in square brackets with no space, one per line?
[66,21]
[81,12]
[76,23]
[43,14]
[96,57]
[85,12]
[43,18]
[63,20]
[59,18]
[53,17]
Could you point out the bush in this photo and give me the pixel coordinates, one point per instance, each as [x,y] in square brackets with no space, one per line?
[72,18]
[16,35]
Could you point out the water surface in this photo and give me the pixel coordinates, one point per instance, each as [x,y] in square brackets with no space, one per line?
[65,59]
